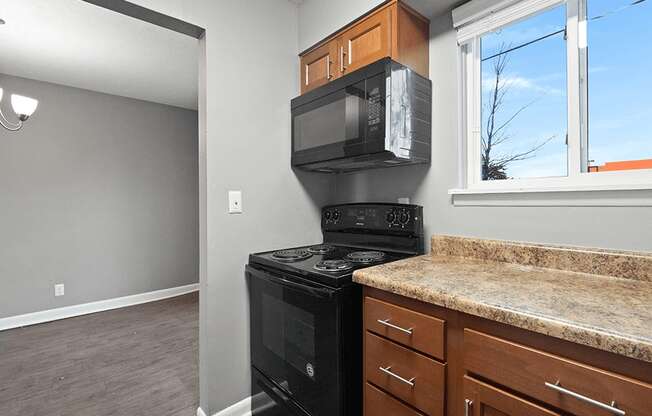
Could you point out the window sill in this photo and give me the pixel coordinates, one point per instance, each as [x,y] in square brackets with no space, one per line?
[639,195]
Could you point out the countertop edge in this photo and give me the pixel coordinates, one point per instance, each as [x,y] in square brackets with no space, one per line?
[610,342]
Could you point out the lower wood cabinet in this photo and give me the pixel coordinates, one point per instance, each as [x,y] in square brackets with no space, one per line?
[575,387]
[377,402]
[414,330]
[406,374]
[481,399]
[433,361]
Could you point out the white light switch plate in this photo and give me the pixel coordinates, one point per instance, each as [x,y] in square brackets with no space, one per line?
[235,202]
[404,200]
[59,289]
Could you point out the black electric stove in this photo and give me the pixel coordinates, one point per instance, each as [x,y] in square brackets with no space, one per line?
[328,264]
[306,315]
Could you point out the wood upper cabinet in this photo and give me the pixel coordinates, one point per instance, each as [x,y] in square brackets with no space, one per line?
[320,65]
[392,30]
[367,41]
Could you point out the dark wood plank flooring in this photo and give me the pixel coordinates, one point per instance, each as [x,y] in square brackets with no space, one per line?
[136,361]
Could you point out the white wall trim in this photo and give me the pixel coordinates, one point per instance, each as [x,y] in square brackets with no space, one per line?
[241,408]
[93,307]
[553,199]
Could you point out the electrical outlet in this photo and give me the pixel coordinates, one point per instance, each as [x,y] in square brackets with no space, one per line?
[235,202]
[59,289]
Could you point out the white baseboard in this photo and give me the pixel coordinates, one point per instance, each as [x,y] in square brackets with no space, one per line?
[241,408]
[93,307]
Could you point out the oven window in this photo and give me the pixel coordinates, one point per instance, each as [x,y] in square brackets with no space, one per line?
[289,332]
[336,118]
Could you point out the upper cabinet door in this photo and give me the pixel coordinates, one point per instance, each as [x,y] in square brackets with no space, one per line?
[319,66]
[367,41]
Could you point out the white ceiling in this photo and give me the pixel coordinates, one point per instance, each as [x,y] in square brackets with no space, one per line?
[74,43]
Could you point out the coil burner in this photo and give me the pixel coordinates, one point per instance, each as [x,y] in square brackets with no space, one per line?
[333,266]
[365,257]
[291,255]
[321,249]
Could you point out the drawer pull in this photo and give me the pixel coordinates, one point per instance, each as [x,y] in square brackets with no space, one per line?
[610,408]
[387,371]
[467,407]
[398,328]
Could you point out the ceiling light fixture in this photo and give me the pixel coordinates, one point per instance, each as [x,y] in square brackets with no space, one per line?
[24,107]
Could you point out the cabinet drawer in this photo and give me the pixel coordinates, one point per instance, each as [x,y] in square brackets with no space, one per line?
[482,399]
[554,380]
[415,330]
[421,382]
[377,402]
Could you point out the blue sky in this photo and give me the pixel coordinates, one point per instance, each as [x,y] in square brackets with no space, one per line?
[620,87]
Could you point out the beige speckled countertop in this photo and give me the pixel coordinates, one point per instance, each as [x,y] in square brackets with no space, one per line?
[598,310]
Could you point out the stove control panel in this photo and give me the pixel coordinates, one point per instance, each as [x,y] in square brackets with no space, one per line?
[398,217]
[373,217]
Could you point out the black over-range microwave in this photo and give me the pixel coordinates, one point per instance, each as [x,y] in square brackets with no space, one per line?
[377,116]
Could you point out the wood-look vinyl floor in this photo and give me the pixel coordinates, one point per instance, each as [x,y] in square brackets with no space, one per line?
[136,361]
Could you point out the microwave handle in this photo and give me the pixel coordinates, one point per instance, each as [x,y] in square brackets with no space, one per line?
[315,291]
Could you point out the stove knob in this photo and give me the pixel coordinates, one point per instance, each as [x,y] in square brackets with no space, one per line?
[404,217]
[391,216]
[336,215]
[327,215]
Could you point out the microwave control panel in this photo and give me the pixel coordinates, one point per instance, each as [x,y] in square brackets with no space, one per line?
[375,105]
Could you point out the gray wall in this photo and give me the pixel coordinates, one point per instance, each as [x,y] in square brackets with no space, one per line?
[610,227]
[98,192]
[251,75]
[318,19]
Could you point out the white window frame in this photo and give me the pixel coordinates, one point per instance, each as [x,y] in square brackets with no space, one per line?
[471,182]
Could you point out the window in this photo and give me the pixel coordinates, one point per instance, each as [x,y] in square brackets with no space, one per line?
[556,95]
[523,108]
[619,56]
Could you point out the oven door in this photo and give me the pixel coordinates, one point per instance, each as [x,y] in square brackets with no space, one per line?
[268,399]
[347,122]
[295,340]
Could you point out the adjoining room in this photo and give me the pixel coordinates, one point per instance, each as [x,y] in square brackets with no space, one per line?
[99,265]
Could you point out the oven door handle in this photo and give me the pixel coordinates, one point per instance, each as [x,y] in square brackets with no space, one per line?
[315,291]
[276,392]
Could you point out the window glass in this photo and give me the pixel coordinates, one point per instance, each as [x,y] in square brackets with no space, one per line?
[619,85]
[524,100]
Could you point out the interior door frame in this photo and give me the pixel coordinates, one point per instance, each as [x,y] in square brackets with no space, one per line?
[185,28]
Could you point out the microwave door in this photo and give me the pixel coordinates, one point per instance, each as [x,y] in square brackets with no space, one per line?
[330,127]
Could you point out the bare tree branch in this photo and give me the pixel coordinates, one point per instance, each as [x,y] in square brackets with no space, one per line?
[495,167]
